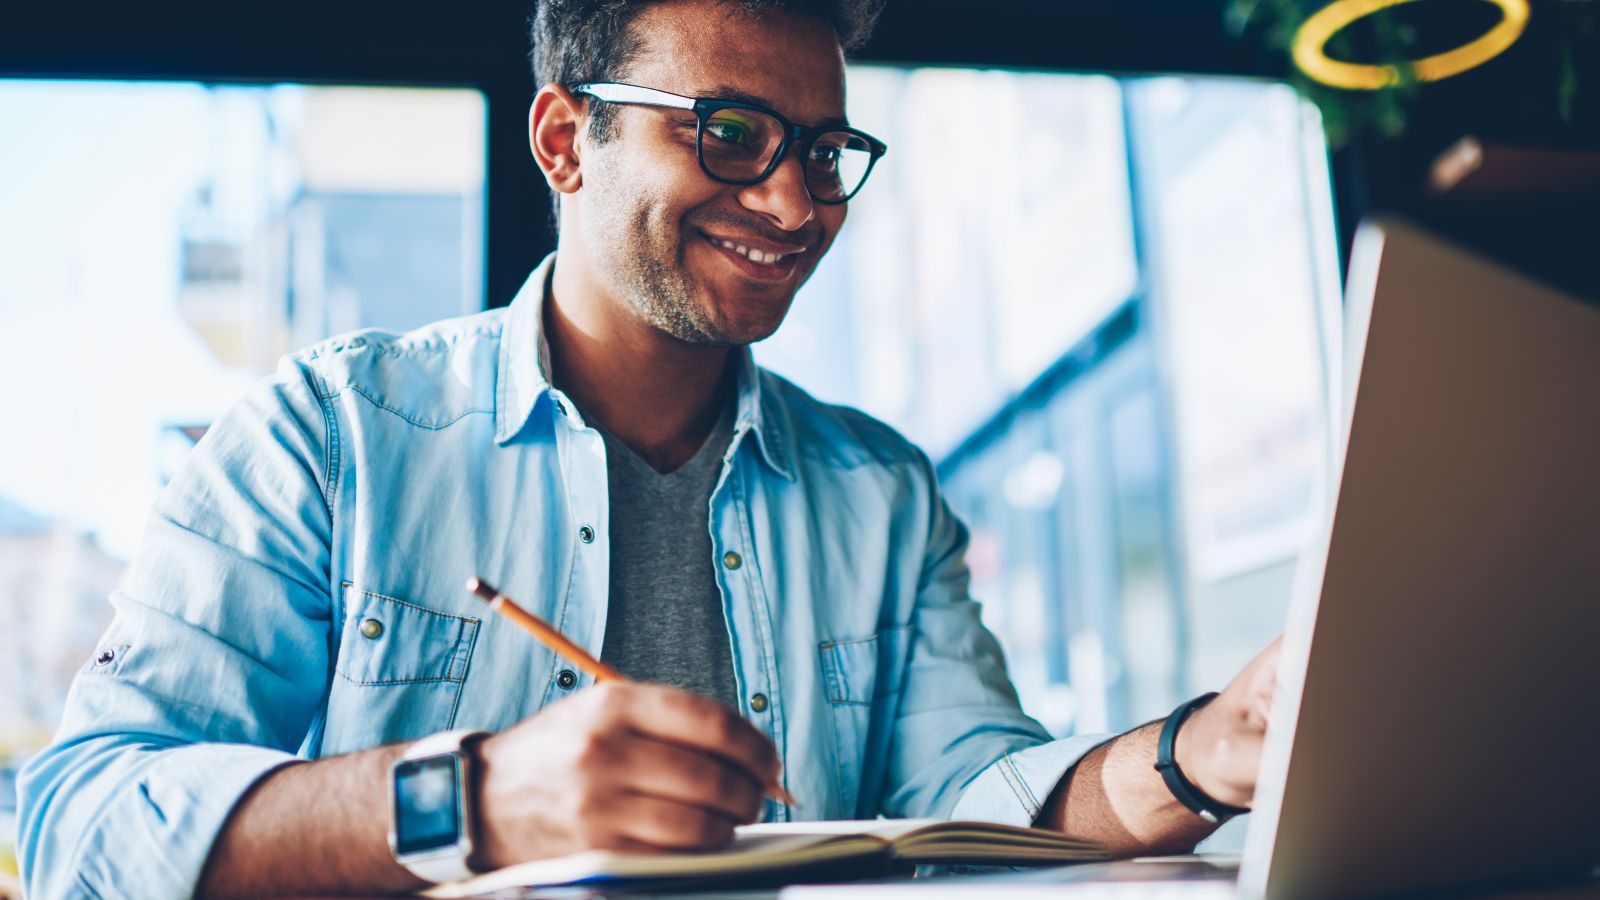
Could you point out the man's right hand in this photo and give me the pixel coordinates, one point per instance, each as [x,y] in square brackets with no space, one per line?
[619,766]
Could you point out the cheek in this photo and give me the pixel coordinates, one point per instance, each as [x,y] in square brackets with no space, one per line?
[832,219]
[645,192]
[669,211]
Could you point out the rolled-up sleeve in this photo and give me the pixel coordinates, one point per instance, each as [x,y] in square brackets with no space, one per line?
[212,670]
[963,747]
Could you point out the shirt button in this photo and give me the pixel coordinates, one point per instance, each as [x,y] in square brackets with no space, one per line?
[105,657]
[732,560]
[566,680]
[586,534]
[561,407]
[371,628]
[759,703]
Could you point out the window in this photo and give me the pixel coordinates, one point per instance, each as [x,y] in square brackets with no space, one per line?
[1106,308]
[162,245]
[995,234]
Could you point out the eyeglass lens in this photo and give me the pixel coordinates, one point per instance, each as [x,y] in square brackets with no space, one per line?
[737,144]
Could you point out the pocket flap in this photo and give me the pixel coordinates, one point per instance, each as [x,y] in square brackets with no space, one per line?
[389,641]
[850,668]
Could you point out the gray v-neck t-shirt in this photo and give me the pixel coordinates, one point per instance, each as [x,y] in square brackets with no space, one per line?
[666,622]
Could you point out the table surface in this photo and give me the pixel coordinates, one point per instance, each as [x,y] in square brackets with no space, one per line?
[1179,878]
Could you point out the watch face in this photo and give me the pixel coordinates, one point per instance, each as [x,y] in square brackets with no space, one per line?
[427,810]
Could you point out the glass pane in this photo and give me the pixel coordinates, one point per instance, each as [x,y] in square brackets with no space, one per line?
[1011,554]
[162,245]
[994,235]
[1248,299]
[1241,300]
[985,297]
[1147,601]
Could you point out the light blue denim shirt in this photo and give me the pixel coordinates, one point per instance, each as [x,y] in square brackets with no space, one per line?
[374,473]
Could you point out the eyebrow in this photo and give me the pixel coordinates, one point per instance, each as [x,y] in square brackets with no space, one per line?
[725,92]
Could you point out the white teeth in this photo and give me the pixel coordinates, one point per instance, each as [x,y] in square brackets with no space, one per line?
[746,252]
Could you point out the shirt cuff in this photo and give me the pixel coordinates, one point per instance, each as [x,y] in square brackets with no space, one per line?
[1014,789]
[155,834]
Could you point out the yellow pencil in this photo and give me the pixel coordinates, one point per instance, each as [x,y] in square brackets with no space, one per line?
[542,630]
[555,640]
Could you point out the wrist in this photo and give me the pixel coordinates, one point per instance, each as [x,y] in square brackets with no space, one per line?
[1195,748]
[432,806]
[1186,758]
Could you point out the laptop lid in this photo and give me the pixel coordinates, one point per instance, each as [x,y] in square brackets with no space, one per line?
[1437,721]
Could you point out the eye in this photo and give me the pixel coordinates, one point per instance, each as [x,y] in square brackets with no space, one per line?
[824,157]
[728,131]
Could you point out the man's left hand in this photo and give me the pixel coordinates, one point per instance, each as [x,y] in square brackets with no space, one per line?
[1219,746]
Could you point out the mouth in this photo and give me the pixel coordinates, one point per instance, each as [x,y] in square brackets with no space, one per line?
[757,261]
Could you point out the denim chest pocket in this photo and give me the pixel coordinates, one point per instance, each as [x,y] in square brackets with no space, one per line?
[859,675]
[398,674]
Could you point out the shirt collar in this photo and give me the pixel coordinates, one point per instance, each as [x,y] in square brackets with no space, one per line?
[524,378]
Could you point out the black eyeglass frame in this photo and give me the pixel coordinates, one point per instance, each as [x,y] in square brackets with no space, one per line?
[705,107]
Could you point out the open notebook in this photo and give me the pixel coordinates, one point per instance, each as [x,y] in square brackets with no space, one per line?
[774,847]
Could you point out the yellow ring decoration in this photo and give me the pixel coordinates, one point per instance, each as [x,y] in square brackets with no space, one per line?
[1314,33]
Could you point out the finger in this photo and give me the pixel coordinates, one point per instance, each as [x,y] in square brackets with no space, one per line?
[669,825]
[674,772]
[1267,659]
[1260,711]
[696,722]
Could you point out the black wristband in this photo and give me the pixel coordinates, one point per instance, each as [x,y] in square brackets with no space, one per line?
[1167,764]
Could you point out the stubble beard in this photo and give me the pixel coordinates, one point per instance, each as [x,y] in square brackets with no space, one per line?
[651,275]
[662,291]
[647,265]
[663,294]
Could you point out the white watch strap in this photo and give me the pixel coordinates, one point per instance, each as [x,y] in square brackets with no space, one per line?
[439,869]
[449,864]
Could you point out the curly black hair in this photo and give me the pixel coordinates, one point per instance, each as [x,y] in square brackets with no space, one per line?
[577,41]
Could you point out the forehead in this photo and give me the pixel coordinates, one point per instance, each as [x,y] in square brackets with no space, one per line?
[697,47]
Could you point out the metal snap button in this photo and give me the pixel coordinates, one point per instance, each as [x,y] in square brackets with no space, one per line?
[586,534]
[561,407]
[105,657]
[566,680]
[371,628]
[758,703]
[732,560]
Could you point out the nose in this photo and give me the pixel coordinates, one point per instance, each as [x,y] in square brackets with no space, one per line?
[782,196]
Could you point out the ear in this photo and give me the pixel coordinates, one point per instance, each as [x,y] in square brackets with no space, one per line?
[554,122]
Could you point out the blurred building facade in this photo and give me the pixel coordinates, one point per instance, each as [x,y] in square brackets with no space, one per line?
[245,222]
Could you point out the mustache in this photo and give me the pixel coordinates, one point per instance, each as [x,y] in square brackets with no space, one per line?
[809,234]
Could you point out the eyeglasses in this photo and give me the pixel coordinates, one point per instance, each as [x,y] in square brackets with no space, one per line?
[743,143]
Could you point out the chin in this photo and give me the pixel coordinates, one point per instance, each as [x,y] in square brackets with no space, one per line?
[756,324]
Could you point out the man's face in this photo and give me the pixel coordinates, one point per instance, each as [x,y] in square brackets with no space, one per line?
[657,228]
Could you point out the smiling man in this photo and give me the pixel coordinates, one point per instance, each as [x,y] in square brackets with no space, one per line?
[297,697]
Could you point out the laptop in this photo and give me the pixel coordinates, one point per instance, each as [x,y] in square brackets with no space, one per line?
[1437,722]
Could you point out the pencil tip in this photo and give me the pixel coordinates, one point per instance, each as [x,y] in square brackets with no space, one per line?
[781,795]
[478,586]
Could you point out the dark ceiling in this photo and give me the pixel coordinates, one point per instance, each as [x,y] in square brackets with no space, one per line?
[410,40]
[1097,35]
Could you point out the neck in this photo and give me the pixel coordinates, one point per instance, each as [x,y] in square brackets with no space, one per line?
[655,393]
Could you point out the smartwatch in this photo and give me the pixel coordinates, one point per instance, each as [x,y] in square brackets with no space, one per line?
[430,804]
